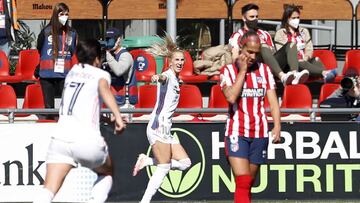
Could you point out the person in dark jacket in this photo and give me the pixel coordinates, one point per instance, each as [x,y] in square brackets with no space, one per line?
[56,44]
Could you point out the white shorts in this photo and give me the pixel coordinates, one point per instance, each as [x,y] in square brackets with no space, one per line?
[154,136]
[89,152]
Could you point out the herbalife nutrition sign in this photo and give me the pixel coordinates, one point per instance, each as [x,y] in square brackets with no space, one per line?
[314,161]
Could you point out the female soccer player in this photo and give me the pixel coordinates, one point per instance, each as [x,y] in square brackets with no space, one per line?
[77,139]
[168,152]
[245,85]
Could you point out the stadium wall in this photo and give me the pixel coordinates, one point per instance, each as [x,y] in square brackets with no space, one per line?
[314,161]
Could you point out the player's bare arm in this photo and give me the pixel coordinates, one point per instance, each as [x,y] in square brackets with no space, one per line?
[110,102]
[275,113]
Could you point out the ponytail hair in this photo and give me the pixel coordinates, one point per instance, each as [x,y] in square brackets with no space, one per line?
[166,48]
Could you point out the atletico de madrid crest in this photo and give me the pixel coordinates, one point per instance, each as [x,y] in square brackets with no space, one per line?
[234,147]
[259,79]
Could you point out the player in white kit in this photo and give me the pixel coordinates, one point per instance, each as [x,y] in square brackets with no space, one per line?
[168,152]
[77,138]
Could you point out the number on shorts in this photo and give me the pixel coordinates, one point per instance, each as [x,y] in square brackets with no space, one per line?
[75,87]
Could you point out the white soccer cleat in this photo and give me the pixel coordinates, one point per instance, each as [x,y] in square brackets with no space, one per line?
[140,163]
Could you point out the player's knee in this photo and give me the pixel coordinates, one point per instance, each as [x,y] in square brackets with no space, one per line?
[185,163]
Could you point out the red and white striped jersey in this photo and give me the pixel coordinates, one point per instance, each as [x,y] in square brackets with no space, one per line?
[299,39]
[265,38]
[247,116]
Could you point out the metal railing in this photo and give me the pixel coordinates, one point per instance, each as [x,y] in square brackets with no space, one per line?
[318,27]
[11,113]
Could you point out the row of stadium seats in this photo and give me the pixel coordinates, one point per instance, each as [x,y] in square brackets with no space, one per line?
[294,96]
[145,65]
[328,58]
[24,72]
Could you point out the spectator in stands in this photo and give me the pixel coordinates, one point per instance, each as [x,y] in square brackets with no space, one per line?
[245,85]
[280,61]
[77,138]
[168,152]
[8,23]
[119,63]
[290,32]
[346,96]
[56,44]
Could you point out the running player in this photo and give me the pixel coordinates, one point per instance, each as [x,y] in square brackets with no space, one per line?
[168,152]
[245,85]
[77,139]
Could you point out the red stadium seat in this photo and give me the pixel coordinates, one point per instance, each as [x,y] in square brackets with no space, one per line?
[216,99]
[326,90]
[327,57]
[352,60]
[215,78]
[296,96]
[5,70]
[145,65]
[28,60]
[33,98]
[8,97]
[187,73]
[146,97]
[190,97]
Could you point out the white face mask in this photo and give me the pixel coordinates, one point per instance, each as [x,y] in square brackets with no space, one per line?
[63,19]
[294,23]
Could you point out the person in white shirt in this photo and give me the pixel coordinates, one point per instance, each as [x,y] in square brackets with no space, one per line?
[77,139]
[168,152]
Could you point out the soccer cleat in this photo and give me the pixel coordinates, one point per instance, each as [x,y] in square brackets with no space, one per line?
[140,163]
[300,77]
[287,78]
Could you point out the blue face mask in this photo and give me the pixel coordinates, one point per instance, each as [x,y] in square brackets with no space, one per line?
[110,43]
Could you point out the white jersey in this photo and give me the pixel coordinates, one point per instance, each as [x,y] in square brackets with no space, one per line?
[168,94]
[80,105]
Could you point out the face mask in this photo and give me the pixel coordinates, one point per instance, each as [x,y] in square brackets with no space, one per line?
[252,24]
[63,19]
[294,23]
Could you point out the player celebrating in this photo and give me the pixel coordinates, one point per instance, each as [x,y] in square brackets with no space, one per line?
[168,152]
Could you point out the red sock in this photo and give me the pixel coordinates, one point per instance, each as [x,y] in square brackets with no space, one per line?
[243,186]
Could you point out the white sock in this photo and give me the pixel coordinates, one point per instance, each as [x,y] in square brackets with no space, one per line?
[182,164]
[155,182]
[101,189]
[44,196]
[149,161]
